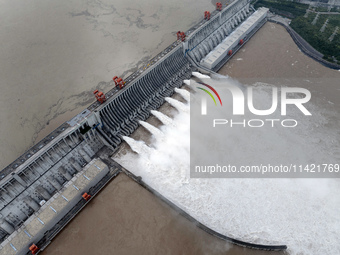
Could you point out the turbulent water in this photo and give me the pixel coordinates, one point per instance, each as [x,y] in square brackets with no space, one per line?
[301,213]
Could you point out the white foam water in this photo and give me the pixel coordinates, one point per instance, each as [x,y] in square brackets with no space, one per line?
[200,76]
[138,146]
[162,117]
[177,104]
[152,129]
[301,213]
[184,93]
[187,82]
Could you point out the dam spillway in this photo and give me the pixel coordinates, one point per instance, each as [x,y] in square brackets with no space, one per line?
[41,174]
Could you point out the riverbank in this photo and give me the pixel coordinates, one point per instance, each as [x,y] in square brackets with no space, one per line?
[304,46]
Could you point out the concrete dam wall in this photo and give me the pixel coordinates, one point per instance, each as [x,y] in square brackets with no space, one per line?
[121,114]
[212,33]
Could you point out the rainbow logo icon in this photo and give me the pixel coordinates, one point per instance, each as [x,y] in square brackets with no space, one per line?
[209,93]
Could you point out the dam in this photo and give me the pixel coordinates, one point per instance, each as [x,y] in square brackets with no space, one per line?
[63,171]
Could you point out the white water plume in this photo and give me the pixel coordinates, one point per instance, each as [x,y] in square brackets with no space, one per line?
[177,104]
[162,117]
[184,93]
[187,82]
[152,129]
[138,146]
[200,76]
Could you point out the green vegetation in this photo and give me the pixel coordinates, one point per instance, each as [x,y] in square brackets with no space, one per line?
[303,25]
[285,8]
[311,33]
[335,9]
[320,9]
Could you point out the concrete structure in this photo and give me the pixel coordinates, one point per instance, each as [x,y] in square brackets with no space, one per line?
[39,187]
[229,43]
[212,33]
[53,210]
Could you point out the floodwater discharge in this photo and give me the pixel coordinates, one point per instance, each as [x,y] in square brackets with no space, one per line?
[302,213]
[162,117]
[298,212]
[178,105]
[184,93]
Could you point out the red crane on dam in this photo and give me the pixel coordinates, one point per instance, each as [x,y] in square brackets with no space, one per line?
[219,6]
[119,82]
[99,96]
[207,15]
[181,36]
[86,196]
[34,249]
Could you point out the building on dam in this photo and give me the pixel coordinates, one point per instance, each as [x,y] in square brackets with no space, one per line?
[237,37]
[40,189]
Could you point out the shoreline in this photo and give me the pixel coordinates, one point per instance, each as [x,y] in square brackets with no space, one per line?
[303,45]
